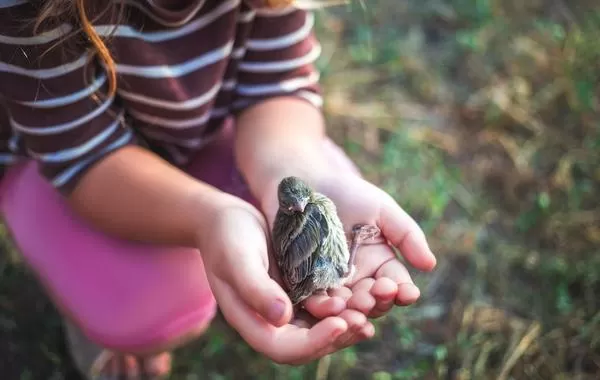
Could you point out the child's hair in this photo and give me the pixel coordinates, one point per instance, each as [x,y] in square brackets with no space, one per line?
[56,11]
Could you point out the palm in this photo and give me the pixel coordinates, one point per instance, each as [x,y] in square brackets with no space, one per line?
[236,256]
[380,281]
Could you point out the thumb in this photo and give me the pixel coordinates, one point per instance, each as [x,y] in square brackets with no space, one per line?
[254,286]
[404,233]
[247,272]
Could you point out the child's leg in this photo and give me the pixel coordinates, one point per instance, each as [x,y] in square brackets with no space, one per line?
[125,296]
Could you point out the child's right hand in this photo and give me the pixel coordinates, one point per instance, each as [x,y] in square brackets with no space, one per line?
[236,257]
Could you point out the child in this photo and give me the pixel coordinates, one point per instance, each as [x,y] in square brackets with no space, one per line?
[124,125]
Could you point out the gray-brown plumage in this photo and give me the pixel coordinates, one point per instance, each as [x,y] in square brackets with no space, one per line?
[309,241]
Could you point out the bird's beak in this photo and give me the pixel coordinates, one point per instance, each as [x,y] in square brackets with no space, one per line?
[299,206]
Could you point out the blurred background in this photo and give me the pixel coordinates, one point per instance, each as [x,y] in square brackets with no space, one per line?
[482,118]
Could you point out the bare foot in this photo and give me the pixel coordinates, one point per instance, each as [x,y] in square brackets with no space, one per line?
[97,363]
[128,367]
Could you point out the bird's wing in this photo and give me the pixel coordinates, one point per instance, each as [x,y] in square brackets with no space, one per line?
[303,251]
[280,234]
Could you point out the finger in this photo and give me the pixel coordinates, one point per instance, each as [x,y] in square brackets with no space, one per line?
[356,321]
[407,292]
[363,285]
[288,344]
[404,233]
[323,305]
[347,339]
[384,290]
[369,259]
[245,270]
[342,292]
[263,295]
[395,271]
[361,301]
[367,332]
[358,333]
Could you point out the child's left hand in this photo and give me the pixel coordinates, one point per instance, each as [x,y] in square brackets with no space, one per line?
[381,280]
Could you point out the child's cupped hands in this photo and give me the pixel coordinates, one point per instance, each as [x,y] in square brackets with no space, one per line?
[381,281]
[245,279]
[237,260]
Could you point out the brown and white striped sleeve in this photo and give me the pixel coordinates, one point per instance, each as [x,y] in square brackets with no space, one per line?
[279,59]
[48,98]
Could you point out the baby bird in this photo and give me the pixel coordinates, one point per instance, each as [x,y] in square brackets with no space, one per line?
[309,241]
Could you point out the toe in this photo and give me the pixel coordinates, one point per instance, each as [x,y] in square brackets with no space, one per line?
[158,366]
[130,367]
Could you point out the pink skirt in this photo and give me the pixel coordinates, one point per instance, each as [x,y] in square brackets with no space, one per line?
[123,295]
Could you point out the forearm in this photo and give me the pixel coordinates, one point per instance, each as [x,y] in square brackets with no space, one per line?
[135,195]
[279,137]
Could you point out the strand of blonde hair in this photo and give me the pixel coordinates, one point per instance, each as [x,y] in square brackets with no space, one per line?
[99,46]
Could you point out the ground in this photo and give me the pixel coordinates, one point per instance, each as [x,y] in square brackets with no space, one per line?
[481,117]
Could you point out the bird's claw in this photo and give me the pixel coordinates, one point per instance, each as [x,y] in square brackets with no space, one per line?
[360,234]
[363,232]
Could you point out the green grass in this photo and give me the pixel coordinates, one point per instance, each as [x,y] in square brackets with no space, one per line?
[482,118]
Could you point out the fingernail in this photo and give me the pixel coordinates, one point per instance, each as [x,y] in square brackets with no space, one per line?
[276,311]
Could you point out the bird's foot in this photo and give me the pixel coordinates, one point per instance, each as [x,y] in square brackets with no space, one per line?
[360,234]
[364,232]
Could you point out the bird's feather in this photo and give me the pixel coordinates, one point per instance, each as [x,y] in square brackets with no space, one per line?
[310,248]
[305,248]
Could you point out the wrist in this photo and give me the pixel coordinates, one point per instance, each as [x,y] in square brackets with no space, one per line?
[209,206]
[307,162]
[277,138]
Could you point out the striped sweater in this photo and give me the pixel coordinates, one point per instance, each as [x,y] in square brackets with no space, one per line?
[183,66]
